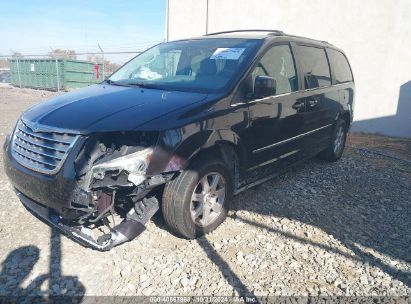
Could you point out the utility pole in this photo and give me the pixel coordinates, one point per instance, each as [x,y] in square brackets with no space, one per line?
[167,20]
[206,25]
[102,55]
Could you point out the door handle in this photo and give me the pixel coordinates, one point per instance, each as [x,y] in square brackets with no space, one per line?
[312,102]
[298,105]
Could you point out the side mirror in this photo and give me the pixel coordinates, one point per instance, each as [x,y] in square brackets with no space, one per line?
[264,86]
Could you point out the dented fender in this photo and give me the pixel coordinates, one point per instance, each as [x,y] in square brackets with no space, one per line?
[175,148]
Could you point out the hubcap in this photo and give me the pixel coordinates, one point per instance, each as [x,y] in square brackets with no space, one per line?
[339,140]
[208,199]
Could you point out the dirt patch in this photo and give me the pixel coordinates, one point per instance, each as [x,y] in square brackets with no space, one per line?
[400,147]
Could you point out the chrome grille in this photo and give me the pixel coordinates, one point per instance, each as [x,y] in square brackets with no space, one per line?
[42,151]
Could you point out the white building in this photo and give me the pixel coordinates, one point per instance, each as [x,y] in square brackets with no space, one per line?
[375,34]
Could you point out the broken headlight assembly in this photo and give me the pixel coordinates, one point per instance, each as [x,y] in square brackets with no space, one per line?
[134,164]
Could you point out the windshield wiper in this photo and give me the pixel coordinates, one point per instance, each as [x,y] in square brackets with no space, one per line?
[143,85]
[132,84]
[109,81]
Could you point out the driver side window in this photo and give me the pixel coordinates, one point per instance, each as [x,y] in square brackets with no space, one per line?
[277,63]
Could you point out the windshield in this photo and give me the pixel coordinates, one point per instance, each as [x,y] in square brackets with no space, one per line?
[205,65]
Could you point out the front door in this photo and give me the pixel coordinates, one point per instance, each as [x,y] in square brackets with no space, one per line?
[275,120]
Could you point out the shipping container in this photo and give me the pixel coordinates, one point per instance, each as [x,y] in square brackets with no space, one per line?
[54,74]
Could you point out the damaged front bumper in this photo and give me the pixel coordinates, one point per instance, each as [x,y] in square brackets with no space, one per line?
[97,182]
[127,230]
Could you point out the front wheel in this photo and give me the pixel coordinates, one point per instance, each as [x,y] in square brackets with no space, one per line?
[336,146]
[197,201]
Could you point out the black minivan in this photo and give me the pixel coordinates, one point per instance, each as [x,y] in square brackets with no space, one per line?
[183,127]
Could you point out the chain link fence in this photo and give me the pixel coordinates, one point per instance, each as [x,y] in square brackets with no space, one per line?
[64,69]
[59,72]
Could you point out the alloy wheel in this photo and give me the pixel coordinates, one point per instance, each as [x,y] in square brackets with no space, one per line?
[208,199]
[339,140]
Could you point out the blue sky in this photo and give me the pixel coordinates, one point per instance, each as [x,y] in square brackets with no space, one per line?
[32,27]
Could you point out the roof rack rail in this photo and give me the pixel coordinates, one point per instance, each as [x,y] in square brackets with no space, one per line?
[272,32]
[302,37]
[326,42]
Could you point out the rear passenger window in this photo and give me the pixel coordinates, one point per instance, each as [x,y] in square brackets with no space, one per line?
[314,66]
[339,63]
[278,63]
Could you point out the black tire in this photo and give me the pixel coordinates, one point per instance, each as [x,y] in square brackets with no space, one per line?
[334,152]
[177,198]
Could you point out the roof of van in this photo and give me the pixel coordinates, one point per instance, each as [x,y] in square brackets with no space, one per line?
[263,34]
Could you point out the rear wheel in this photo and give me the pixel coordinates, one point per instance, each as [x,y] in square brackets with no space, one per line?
[336,146]
[197,201]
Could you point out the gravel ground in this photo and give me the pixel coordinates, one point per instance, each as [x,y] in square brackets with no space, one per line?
[339,228]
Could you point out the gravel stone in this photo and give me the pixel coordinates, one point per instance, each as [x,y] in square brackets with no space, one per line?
[322,228]
[184,282]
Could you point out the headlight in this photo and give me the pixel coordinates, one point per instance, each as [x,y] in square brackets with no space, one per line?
[135,164]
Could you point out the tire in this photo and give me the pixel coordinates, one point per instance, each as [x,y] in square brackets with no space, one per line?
[179,208]
[335,149]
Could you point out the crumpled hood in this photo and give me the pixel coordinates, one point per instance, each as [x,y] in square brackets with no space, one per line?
[104,108]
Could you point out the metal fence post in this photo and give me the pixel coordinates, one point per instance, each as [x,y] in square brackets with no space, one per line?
[57,75]
[102,54]
[18,71]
